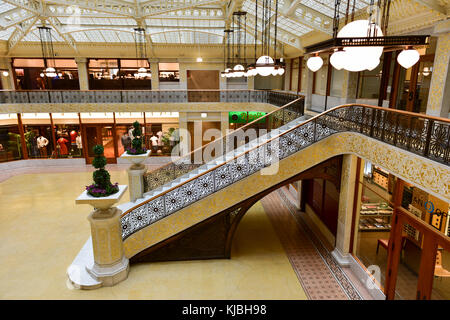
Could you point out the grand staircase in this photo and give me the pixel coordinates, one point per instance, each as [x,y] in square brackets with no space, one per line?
[185,199]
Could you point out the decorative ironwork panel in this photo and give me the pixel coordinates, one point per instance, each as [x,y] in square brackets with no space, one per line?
[39,96]
[439,142]
[19,97]
[222,177]
[205,185]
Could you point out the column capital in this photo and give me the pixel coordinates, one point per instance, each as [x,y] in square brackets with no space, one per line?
[442,27]
[81,60]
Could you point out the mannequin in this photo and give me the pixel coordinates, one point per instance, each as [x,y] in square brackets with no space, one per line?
[160,135]
[62,146]
[154,140]
[42,143]
[78,141]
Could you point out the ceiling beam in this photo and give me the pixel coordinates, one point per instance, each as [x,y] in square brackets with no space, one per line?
[13,17]
[20,32]
[120,8]
[54,22]
[29,5]
[308,17]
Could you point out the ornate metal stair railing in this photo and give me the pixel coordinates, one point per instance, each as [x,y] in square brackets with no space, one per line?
[273,120]
[398,128]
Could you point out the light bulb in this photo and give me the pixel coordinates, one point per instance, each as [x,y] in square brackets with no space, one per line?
[199,59]
[275,72]
[264,66]
[314,63]
[281,71]
[407,58]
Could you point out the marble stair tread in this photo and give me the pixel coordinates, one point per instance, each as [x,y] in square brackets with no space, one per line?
[77,273]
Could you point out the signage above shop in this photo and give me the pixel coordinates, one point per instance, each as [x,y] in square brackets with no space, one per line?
[244,117]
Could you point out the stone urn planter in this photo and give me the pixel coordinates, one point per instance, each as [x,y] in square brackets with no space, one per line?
[101,203]
[136,173]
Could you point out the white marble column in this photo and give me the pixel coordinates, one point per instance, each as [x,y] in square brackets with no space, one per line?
[346,200]
[83,75]
[155,74]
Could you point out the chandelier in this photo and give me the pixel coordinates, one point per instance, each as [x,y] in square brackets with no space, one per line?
[48,53]
[227,73]
[359,45]
[141,52]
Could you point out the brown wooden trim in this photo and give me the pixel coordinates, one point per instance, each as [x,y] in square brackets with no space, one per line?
[115,143]
[22,137]
[299,80]
[314,83]
[395,82]
[53,135]
[382,93]
[394,246]
[412,87]
[355,204]
[426,269]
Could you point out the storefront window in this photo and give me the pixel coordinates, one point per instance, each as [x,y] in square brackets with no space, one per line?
[10,142]
[162,132]
[169,72]
[30,74]
[38,135]
[374,213]
[68,135]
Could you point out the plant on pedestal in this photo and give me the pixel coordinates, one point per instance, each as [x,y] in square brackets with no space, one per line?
[137,142]
[102,186]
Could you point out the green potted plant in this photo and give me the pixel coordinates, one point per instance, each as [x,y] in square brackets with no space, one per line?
[137,153]
[102,194]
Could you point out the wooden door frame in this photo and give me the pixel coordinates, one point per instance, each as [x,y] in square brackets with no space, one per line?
[432,239]
[98,127]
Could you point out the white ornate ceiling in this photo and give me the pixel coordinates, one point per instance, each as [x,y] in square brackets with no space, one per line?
[180,21]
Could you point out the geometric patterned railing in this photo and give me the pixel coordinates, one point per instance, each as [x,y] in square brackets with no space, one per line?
[140,96]
[423,135]
[293,108]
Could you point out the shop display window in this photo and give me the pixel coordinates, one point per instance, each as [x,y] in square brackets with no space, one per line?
[169,72]
[120,74]
[30,74]
[68,135]
[10,141]
[374,213]
[38,135]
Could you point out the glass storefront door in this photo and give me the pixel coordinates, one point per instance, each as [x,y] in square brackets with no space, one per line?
[100,134]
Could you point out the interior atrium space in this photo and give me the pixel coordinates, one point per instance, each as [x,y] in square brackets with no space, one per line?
[211,153]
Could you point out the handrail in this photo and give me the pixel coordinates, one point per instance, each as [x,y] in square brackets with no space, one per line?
[282,134]
[225,137]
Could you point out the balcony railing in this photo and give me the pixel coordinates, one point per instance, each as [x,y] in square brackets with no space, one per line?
[277,98]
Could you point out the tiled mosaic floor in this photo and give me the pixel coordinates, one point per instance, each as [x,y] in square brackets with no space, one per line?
[319,274]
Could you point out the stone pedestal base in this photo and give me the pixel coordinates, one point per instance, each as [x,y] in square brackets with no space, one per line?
[109,275]
[136,181]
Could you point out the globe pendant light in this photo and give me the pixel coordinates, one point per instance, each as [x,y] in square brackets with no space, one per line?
[314,63]
[281,71]
[265,66]
[360,58]
[337,59]
[239,70]
[408,57]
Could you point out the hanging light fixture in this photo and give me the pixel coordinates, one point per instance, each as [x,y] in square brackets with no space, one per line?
[238,34]
[358,46]
[227,73]
[141,52]
[314,63]
[265,63]
[48,54]
[408,57]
